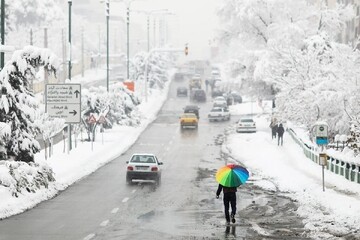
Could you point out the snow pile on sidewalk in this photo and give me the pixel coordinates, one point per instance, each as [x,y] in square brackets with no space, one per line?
[287,170]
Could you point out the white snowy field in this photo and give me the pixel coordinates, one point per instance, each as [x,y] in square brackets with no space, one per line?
[85,158]
[286,169]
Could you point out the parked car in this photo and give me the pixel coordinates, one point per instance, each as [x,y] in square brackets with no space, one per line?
[198,95]
[181,91]
[246,125]
[143,167]
[219,114]
[188,120]
[192,109]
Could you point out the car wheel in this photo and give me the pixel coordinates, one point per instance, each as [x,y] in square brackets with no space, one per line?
[128,180]
[158,180]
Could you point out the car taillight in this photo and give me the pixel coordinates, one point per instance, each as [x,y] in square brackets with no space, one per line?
[182,120]
[194,121]
[154,169]
[130,168]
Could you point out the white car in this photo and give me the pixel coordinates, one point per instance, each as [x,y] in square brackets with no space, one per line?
[220,102]
[143,167]
[219,113]
[246,125]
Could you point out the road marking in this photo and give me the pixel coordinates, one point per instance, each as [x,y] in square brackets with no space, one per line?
[115,210]
[167,149]
[171,142]
[104,223]
[90,236]
[125,200]
[133,191]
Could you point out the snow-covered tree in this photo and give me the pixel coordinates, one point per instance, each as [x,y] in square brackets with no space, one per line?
[17,104]
[158,65]
[117,106]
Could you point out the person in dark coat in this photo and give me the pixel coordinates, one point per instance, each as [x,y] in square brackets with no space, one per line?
[274,128]
[280,132]
[229,199]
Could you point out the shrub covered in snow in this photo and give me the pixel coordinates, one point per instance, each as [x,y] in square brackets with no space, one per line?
[21,177]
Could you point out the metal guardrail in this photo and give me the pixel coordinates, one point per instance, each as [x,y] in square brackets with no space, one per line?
[340,167]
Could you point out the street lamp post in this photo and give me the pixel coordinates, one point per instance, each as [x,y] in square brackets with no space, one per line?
[127,39]
[2,56]
[107,43]
[69,125]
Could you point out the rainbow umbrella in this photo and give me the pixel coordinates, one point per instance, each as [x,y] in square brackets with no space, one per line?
[232,175]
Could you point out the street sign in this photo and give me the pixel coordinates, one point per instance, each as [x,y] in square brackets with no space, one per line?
[101,119]
[91,119]
[64,101]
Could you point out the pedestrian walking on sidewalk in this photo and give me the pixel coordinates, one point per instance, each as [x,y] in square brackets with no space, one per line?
[280,133]
[229,199]
[274,128]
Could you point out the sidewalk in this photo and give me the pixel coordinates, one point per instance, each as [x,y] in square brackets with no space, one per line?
[288,170]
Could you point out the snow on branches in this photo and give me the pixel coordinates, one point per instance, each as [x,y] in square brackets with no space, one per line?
[17,104]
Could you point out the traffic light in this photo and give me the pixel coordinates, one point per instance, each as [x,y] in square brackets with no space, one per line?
[107,8]
[186,50]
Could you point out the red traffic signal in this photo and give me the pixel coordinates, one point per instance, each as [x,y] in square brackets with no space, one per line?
[186,50]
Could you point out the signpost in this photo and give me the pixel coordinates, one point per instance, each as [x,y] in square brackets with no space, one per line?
[321,134]
[64,101]
[102,120]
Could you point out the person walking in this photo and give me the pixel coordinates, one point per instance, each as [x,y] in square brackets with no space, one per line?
[274,128]
[229,199]
[280,133]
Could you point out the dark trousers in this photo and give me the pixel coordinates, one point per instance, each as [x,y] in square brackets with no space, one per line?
[280,140]
[229,198]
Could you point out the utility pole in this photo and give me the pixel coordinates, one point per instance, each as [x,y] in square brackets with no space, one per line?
[63,41]
[31,37]
[128,40]
[2,56]
[46,76]
[69,69]
[107,42]
[148,32]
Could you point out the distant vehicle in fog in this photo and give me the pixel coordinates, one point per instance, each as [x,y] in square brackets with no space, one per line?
[181,92]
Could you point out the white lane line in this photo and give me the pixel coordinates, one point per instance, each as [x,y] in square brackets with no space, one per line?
[90,236]
[125,200]
[171,142]
[115,210]
[133,191]
[104,223]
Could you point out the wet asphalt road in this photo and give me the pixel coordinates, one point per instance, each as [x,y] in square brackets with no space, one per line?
[183,206]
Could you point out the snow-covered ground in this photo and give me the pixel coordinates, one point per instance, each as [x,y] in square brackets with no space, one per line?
[85,158]
[286,168]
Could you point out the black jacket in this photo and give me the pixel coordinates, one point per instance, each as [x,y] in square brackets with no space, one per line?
[280,130]
[225,190]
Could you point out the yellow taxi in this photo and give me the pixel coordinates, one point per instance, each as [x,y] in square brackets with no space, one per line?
[188,120]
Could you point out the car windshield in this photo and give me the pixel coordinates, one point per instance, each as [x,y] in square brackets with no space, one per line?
[247,120]
[143,159]
[189,115]
[216,110]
